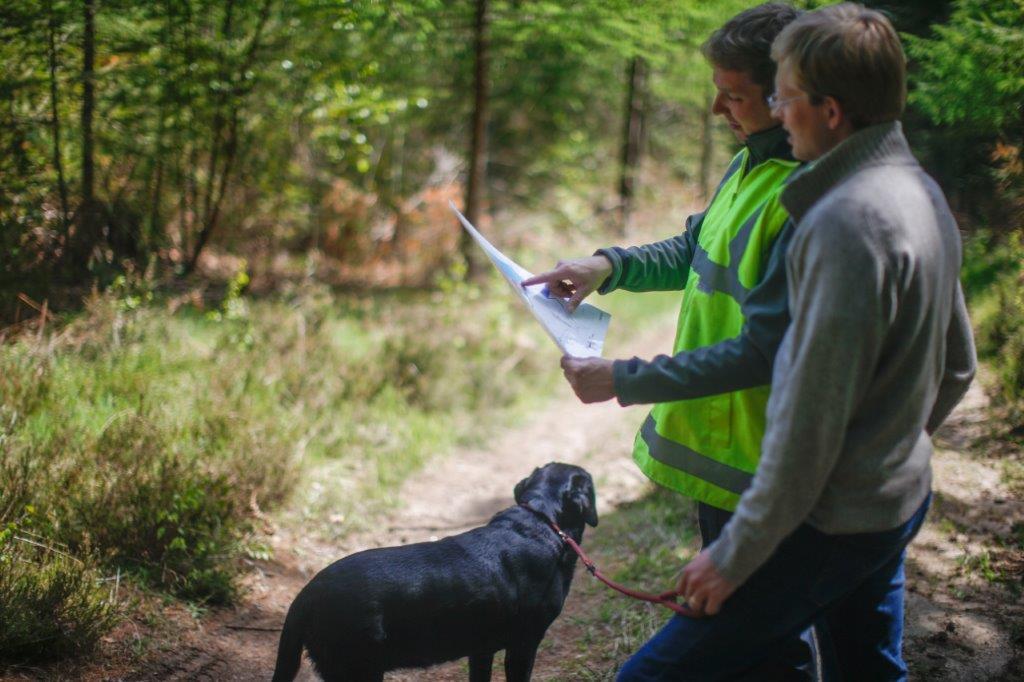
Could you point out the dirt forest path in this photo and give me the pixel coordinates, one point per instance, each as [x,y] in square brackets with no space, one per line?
[959,626]
[965,570]
[450,495]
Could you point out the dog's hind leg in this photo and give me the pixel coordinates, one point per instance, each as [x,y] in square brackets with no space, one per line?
[519,660]
[480,667]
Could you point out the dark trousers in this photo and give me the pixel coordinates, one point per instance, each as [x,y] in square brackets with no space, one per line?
[853,582]
[711,521]
[797,658]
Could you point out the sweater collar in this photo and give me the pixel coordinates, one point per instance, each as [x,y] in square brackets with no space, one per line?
[877,145]
[768,144]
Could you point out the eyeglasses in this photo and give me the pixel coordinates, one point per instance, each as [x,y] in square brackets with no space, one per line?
[774,103]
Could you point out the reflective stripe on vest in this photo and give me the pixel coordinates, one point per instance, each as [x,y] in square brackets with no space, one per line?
[725,278]
[678,456]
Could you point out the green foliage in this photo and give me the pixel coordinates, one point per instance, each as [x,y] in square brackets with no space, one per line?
[131,291]
[54,606]
[966,89]
[971,72]
[234,312]
[989,257]
[569,63]
[232,122]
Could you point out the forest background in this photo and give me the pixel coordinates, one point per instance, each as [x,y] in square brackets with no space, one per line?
[205,202]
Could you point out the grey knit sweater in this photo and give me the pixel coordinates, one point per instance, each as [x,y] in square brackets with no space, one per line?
[878,352]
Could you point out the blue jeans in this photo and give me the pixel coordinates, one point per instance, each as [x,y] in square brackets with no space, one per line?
[852,582]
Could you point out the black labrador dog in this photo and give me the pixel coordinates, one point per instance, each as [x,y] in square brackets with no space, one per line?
[491,588]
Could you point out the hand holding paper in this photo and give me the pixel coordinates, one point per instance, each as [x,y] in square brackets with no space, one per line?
[578,332]
[592,379]
[574,279]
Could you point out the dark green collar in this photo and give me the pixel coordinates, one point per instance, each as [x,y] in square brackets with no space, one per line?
[768,144]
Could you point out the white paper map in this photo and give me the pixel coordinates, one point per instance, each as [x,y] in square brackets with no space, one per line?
[580,334]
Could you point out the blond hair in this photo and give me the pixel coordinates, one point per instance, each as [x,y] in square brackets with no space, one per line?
[850,53]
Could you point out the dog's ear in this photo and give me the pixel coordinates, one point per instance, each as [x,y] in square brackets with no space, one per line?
[517,493]
[581,495]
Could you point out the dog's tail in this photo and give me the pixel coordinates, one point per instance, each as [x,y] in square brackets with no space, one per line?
[289,650]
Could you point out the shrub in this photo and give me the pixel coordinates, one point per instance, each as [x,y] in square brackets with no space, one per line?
[145,506]
[128,467]
[54,605]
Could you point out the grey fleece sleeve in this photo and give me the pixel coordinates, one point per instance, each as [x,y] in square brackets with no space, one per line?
[961,364]
[803,441]
[660,266]
[738,363]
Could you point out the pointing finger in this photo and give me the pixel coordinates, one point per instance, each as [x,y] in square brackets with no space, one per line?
[549,277]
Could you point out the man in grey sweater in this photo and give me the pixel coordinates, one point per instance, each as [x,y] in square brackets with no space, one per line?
[878,352]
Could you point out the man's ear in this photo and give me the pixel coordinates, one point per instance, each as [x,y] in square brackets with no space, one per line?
[835,115]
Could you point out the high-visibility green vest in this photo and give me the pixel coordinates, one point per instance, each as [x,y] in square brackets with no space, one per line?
[708,448]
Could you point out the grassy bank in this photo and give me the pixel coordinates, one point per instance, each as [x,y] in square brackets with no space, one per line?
[993,279]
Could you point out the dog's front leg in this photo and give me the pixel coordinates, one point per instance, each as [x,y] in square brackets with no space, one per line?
[519,661]
[480,667]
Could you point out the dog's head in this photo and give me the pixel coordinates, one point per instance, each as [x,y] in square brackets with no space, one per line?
[562,491]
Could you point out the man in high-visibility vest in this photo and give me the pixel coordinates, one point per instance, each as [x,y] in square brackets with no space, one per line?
[703,436]
[878,353]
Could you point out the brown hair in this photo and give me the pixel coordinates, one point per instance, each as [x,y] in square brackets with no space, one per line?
[744,43]
[852,54]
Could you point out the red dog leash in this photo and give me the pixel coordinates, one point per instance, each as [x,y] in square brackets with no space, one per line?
[666,599]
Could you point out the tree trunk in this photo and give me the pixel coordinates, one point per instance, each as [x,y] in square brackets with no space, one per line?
[188,191]
[478,144]
[212,218]
[707,148]
[58,162]
[217,190]
[88,232]
[398,176]
[632,138]
[158,177]
[219,118]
